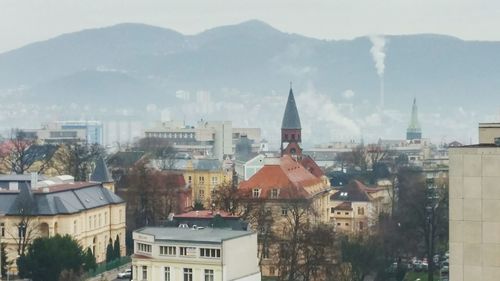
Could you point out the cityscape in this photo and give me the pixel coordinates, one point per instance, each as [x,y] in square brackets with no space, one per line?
[247,147]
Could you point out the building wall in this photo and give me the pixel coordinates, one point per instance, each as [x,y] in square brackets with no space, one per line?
[202,183]
[99,224]
[240,257]
[474,210]
[238,260]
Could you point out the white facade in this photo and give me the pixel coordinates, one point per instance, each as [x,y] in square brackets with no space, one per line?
[164,254]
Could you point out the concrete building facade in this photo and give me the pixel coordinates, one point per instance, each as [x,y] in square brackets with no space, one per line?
[474,206]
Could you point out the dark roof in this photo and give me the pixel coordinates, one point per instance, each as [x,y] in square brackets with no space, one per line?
[58,199]
[125,159]
[355,191]
[198,164]
[101,173]
[291,118]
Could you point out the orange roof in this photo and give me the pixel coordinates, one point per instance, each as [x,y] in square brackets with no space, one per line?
[311,166]
[289,177]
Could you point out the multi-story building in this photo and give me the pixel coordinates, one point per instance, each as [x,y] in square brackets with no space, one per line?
[355,207]
[474,202]
[284,186]
[68,131]
[193,254]
[208,138]
[203,176]
[87,211]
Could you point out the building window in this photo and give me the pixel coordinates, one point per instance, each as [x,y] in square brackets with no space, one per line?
[187,251]
[90,223]
[75,230]
[338,223]
[271,270]
[209,275]
[106,218]
[201,194]
[215,181]
[346,224]
[256,193]
[2,227]
[361,225]
[346,213]
[274,193]
[144,272]
[265,250]
[338,213]
[202,180]
[188,274]
[146,248]
[100,220]
[209,253]
[332,210]
[168,250]
[190,179]
[167,273]
[361,211]
[284,212]
[95,221]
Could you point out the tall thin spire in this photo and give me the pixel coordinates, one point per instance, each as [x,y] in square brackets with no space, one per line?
[414,131]
[291,119]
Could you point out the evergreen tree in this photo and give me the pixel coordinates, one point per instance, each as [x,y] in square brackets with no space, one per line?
[3,259]
[47,257]
[89,262]
[116,248]
[109,251]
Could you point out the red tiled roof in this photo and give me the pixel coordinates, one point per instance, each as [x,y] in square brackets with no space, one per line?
[289,177]
[311,166]
[205,214]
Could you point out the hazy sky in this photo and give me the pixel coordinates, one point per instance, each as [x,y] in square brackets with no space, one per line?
[23,21]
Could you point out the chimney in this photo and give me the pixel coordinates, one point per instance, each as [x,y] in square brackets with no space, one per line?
[34,180]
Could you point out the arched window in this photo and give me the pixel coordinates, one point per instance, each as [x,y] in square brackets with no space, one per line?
[44,229]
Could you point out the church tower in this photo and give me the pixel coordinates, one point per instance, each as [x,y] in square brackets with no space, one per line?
[291,135]
[414,132]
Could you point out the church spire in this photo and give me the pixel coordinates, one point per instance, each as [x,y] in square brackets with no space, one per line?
[291,128]
[291,118]
[414,131]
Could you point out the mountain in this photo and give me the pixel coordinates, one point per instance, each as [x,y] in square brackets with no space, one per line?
[216,73]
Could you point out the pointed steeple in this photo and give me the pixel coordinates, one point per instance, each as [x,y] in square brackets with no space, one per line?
[291,129]
[414,131]
[101,173]
[291,118]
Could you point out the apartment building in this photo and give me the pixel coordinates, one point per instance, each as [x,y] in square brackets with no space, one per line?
[192,254]
[475,207]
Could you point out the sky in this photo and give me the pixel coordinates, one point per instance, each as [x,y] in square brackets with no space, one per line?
[26,21]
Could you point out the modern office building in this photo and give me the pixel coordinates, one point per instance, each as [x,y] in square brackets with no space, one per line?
[68,131]
[193,254]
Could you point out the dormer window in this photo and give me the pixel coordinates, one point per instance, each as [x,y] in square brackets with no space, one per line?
[256,193]
[274,193]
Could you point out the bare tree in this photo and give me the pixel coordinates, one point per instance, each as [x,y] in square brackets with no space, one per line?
[27,228]
[160,149]
[77,159]
[22,154]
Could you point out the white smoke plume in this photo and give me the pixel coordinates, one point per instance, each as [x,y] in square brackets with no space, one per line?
[378,53]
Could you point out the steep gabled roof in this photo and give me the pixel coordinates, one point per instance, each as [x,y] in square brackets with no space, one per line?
[355,191]
[101,173]
[311,166]
[288,176]
[291,118]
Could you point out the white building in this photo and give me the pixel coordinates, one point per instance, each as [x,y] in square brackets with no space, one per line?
[68,131]
[209,138]
[210,254]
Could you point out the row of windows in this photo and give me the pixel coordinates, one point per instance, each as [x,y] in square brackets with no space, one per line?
[361,211]
[274,193]
[171,135]
[146,248]
[201,180]
[187,274]
[183,251]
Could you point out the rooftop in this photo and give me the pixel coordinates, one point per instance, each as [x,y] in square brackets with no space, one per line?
[207,235]
[207,214]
